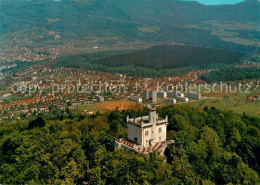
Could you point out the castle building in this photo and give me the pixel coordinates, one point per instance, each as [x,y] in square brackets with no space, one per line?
[145,134]
[147,130]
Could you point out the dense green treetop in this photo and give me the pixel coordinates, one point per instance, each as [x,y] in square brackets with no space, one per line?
[211,146]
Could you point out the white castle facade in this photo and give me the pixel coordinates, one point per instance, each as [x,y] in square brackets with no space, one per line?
[147,130]
[145,134]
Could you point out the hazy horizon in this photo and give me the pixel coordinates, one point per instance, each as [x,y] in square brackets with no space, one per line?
[210,2]
[217,2]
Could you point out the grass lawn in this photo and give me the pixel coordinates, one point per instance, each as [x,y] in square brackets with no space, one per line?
[238,104]
[93,108]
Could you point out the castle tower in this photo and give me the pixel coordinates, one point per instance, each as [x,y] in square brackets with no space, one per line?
[152,120]
[152,115]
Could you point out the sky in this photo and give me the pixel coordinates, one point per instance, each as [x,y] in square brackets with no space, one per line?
[217,2]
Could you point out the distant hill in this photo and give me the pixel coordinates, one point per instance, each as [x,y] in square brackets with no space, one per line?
[173,56]
[141,21]
[162,60]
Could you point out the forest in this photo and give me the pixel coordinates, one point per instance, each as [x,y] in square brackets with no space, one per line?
[161,60]
[211,147]
[173,56]
[231,74]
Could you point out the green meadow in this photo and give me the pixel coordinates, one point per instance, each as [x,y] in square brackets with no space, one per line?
[235,102]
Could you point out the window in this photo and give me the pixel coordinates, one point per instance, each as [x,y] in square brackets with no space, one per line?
[160,130]
[146,133]
[160,138]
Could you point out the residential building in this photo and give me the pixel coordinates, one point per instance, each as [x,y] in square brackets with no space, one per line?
[162,94]
[145,95]
[150,96]
[176,94]
[136,99]
[183,99]
[100,98]
[194,95]
[170,100]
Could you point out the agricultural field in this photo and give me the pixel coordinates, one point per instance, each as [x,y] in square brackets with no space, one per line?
[231,31]
[118,105]
[109,106]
